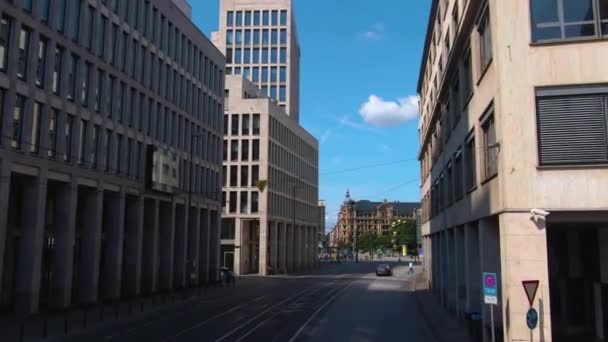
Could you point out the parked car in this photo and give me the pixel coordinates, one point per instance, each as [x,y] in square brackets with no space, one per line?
[384,270]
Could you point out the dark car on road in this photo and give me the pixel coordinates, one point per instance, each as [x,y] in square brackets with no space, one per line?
[384,270]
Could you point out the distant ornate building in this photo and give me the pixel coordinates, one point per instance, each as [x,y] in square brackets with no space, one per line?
[369,217]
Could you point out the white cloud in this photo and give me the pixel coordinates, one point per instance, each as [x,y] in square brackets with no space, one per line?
[381,113]
[325,136]
[376,32]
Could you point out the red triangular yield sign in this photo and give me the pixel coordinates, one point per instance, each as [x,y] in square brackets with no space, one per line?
[531,286]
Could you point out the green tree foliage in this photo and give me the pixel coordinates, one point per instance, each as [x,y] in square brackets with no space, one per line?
[403,233]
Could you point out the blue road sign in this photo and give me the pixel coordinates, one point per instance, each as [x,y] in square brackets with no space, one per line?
[532,318]
[490,288]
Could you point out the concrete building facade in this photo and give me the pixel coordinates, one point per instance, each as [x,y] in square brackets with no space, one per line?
[513,99]
[270,218]
[260,41]
[111,113]
[357,218]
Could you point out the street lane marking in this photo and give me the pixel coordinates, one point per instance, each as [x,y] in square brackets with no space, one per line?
[323,306]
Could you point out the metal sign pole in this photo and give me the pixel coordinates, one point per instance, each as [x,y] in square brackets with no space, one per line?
[492,319]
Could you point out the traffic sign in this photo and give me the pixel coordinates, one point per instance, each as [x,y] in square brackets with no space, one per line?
[532,318]
[530,286]
[490,288]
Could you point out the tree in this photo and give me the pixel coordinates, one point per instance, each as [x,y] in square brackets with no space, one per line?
[403,233]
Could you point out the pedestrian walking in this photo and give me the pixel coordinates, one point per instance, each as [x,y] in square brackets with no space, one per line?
[411,270]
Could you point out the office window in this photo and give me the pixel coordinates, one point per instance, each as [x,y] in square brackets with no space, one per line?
[6,26]
[229,37]
[470,163]
[256,18]
[491,147]
[283,55]
[238,37]
[247,38]
[90,21]
[572,128]
[255,175]
[235,124]
[60,23]
[224,175]
[245,125]
[247,73]
[125,41]
[120,102]
[255,150]
[458,174]
[238,56]
[230,19]
[129,160]
[244,202]
[94,146]
[265,18]
[101,48]
[485,40]
[76,20]
[72,68]
[86,77]
[134,58]
[234,150]
[273,55]
[107,149]
[246,56]
[256,124]
[244,150]
[264,75]
[99,90]
[41,67]
[265,37]
[110,97]
[265,56]
[283,17]
[35,134]
[273,75]
[68,133]
[467,77]
[254,201]
[283,36]
[239,18]
[232,202]
[44,14]
[248,18]
[568,19]
[119,148]
[234,175]
[225,150]
[57,70]
[244,176]
[52,136]
[273,92]
[283,74]
[256,37]
[114,45]
[275,18]
[274,37]
[17,122]
[282,93]
[24,47]
[255,74]
[82,142]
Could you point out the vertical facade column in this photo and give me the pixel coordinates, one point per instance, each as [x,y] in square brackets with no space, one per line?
[134,227]
[299,247]
[263,259]
[459,270]
[472,271]
[150,247]
[239,247]
[274,247]
[203,256]
[180,251]
[31,244]
[5,189]
[523,256]
[290,248]
[283,247]
[65,231]
[489,252]
[214,249]
[166,244]
[114,222]
[451,270]
[194,232]
[89,269]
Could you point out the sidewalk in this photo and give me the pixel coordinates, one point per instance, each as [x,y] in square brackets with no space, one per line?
[78,320]
[442,326]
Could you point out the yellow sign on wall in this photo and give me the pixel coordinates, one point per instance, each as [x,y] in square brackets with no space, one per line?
[404,250]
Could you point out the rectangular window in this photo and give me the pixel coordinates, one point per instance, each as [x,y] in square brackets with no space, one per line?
[60,23]
[458,174]
[247,18]
[467,77]
[6,26]
[44,15]
[52,137]
[238,37]
[82,142]
[274,37]
[224,175]
[107,150]
[568,19]
[471,163]
[273,56]
[239,18]
[76,20]
[572,128]
[225,150]
[94,146]
[247,37]
[283,39]
[256,124]
[256,55]
[125,41]
[273,91]
[485,39]
[283,55]
[264,74]
[110,97]
[283,17]
[86,77]
[265,37]
[24,47]
[273,77]
[232,202]
[90,21]
[120,102]
[244,176]
[230,19]
[68,133]
[17,122]
[35,134]
[256,18]
[41,67]
[101,48]
[234,150]
[265,18]
[256,37]
[72,77]
[129,160]
[255,175]
[282,93]
[114,45]
[234,175]
[245,150]
[245,125]
[119,148]
[99,90]
[491,146]
[244,201]
[255,150]
[254,202]
[275,18]
[57,70]
[255,74]
[238,56]
[234,128]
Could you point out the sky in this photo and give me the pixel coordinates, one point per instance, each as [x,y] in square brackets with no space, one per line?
[359,73]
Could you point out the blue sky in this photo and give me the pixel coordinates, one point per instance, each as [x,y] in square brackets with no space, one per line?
[359,71]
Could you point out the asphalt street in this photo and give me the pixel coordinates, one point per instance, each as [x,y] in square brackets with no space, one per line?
[344,302]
